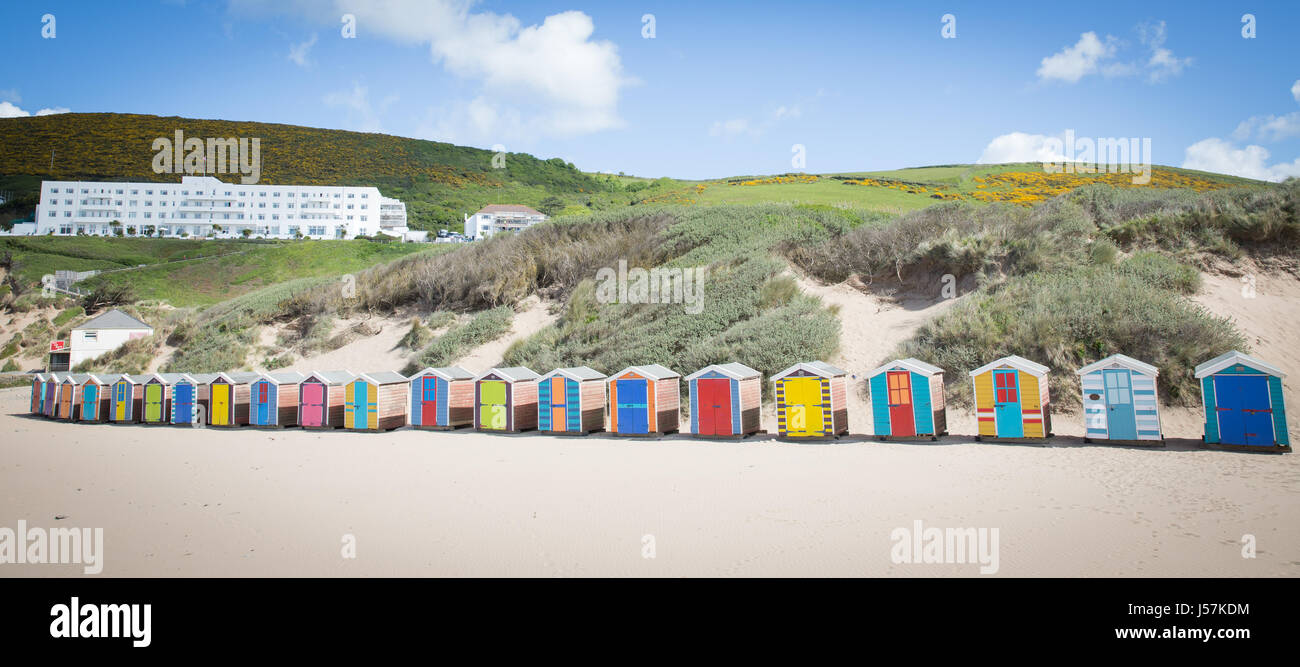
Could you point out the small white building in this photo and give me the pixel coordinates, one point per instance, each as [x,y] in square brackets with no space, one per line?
[103,334]
[495,218]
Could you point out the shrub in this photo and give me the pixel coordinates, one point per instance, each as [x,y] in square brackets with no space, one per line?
[484,327]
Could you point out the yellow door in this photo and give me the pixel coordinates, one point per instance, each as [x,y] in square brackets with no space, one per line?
[803,412]
[492,405]
[220,405]
[121,398]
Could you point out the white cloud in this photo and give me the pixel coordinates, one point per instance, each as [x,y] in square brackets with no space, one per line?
[1023,147]
[737,126]
[729,128]
[10,110]
[300,53]
[550,78]
[1163,63]
[1269,128]
[1075,62]
[1223,157]
[361,112]
[1295,90]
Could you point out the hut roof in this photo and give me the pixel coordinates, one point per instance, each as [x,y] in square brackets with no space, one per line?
[76,378]
[910,363]
[652,371]
[819,368]
[383,377]
[734,370]
[579,373]
[105,378]
[283,377]
[1123,360]
[1016,362]
[331,377]
[1234,357]
[512,373]
[170,378]
[238,378]
[203,378]
[113,319]
[447,373]
[137,379]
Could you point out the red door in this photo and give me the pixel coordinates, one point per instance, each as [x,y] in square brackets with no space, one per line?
[429,401]
[902,421]
[313,404]
[715,406]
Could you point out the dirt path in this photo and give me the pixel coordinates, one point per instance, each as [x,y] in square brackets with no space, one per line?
[534,316]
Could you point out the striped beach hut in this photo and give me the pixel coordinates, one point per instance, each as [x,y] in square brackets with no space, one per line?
[203,387]
[38,393]
[229,395]
[273,399]
[128,399]
[907,400]
[725,401]
[95,397]
[644,401]
[1244,406]
[157,402]
[1011,400]
[375,402]
[571,401]
[185,407]
[442,398]
[811,401]
[1119,401]
[321,399]
[505,399]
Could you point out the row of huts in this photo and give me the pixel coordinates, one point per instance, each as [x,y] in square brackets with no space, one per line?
[1242,399]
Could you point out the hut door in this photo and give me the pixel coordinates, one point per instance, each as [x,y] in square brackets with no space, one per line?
[633,406]
[313,404]
[715,406]
[51,399]
[1006,404]
[90,402]
[803,399]
[902,417]
[1121,421]
[429,401]
[36,397]
[361,406]
[263,401]
[153,400]
[65,402]
[119,401]
[559,403]
[220,405]
[1245,414]
[182,403]
[492,409]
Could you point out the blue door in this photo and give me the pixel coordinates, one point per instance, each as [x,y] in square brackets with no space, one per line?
[90,403]
[1245,413]
[1121,420]
[633,407]
[264,396]
[1006,404]
[183,404]
[360,416]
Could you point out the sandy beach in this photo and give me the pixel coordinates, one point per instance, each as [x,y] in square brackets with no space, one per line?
[209,502]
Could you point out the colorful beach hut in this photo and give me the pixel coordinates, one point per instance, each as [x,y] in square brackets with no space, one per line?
[157,402]
[811,401]
[725,401]
[321,398]
[644,400]
[128,398]
[38,393]
[571,401]
[229,399]
[1011,400]
[442,398]
[505,399]
[273,399]
[907,400]
[95,397]
[185,406]
[50,407]
[203,390]
[1244,408]
[68,389]
[375,402]
[1119,401]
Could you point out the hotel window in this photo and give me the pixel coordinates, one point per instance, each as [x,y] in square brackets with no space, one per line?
[54,191]
[53,214]
[65,229]
[261,204]
[261,194]
[365,195]
[148,192]
[275,205]
[135,192]
[85,191]
[363,218]
[67,214]
[275,216]
[276,194]
[261,217]
[162,192]
[351,195]
[184,192]
[67,191]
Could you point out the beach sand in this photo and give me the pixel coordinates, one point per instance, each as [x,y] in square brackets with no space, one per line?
[208,502]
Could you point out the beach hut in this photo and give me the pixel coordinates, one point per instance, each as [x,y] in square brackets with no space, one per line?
[128,397]
[725,401]
[38,393]
[505,399]
[68,389]
[442,398]
[157,403]
[1011,400]
[95,397]
[811,401]
[375,402]
[907,400]
[321,399]
[229,399]
[203,396]
[185,409]
[571,401]
[1119,401]
[273,399]
[644,400]
[50,407]
[1243,403]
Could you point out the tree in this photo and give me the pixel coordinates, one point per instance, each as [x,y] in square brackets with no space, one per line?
[11,267]
[551,205]
[106,295]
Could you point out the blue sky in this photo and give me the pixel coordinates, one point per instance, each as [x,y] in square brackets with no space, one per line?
[723,88]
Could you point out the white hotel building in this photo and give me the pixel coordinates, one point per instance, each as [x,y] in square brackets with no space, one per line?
[200,205]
